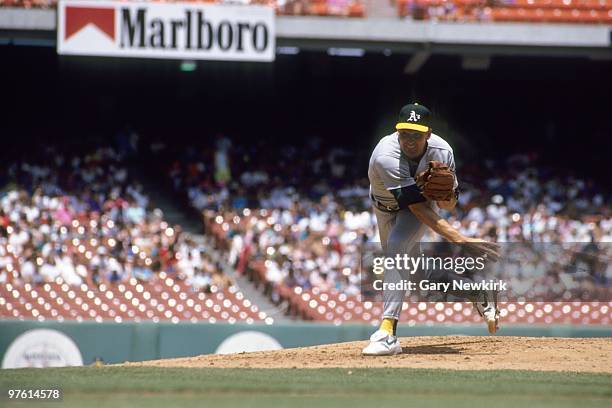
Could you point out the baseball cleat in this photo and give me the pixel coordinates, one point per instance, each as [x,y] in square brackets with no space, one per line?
[487,308]
[382,344]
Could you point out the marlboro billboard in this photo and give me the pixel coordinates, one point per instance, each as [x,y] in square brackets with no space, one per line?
[166,30]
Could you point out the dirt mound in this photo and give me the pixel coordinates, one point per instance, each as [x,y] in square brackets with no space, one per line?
[450,352]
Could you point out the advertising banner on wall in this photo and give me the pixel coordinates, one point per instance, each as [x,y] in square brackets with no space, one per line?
[166,30]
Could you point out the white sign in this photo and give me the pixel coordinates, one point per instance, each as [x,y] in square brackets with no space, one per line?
[166,30]
[248,341]
[42,348]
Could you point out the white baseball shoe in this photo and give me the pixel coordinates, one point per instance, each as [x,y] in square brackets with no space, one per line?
[382,344]
[487,308]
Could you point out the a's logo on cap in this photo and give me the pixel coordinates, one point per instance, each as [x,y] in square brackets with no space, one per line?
[79,17]
[414,116]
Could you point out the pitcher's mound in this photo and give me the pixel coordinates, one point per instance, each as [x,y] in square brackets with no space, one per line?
[450,352]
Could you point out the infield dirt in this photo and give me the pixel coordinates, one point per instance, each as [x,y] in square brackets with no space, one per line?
[592,355]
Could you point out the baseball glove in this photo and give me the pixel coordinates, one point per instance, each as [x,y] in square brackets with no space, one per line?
[437,182]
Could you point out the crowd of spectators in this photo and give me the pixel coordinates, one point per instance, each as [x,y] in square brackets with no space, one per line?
[448,10]
[305,210]
[521,200]
[262,175]
[80,217]
[344,8]
[558,11]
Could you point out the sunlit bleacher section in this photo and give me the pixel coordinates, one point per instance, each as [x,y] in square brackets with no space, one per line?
[81,240]
[530,11]
[526,11]
[299,237]
[164,300]
[336,306]
[338,8]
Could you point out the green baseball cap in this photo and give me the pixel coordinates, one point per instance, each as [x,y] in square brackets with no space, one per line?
[414,117]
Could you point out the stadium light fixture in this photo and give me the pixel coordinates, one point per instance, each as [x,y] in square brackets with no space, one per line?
[287,50]
[188,66]
[346,52]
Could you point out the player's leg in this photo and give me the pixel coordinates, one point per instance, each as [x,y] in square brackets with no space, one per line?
[487,308]
[484,301]
[403,239]
[398,234]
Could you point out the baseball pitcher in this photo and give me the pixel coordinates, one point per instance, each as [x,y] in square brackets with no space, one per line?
[411,172]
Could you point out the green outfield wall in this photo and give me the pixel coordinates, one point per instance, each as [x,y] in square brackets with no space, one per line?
[119,342]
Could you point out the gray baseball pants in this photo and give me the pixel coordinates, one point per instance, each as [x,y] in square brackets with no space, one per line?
[400,233]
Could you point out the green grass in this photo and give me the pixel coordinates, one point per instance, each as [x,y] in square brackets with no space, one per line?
[372,388]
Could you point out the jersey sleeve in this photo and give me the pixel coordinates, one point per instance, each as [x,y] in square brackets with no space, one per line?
[402,186]
[389,171]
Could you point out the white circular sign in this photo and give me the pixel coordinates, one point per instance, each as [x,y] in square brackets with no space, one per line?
[246,341]
[42,348]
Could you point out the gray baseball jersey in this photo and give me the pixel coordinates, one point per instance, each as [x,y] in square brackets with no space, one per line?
[389,168]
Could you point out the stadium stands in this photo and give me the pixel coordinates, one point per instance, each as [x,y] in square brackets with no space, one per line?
[302,250]
[337,307]
[314,295]
[338,8]
[80,240]
[531,11]
[163,299]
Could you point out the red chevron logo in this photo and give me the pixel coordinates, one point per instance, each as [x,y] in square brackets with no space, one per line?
[79,17]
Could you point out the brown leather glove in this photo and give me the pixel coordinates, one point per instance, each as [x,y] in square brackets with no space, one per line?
[437,182]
